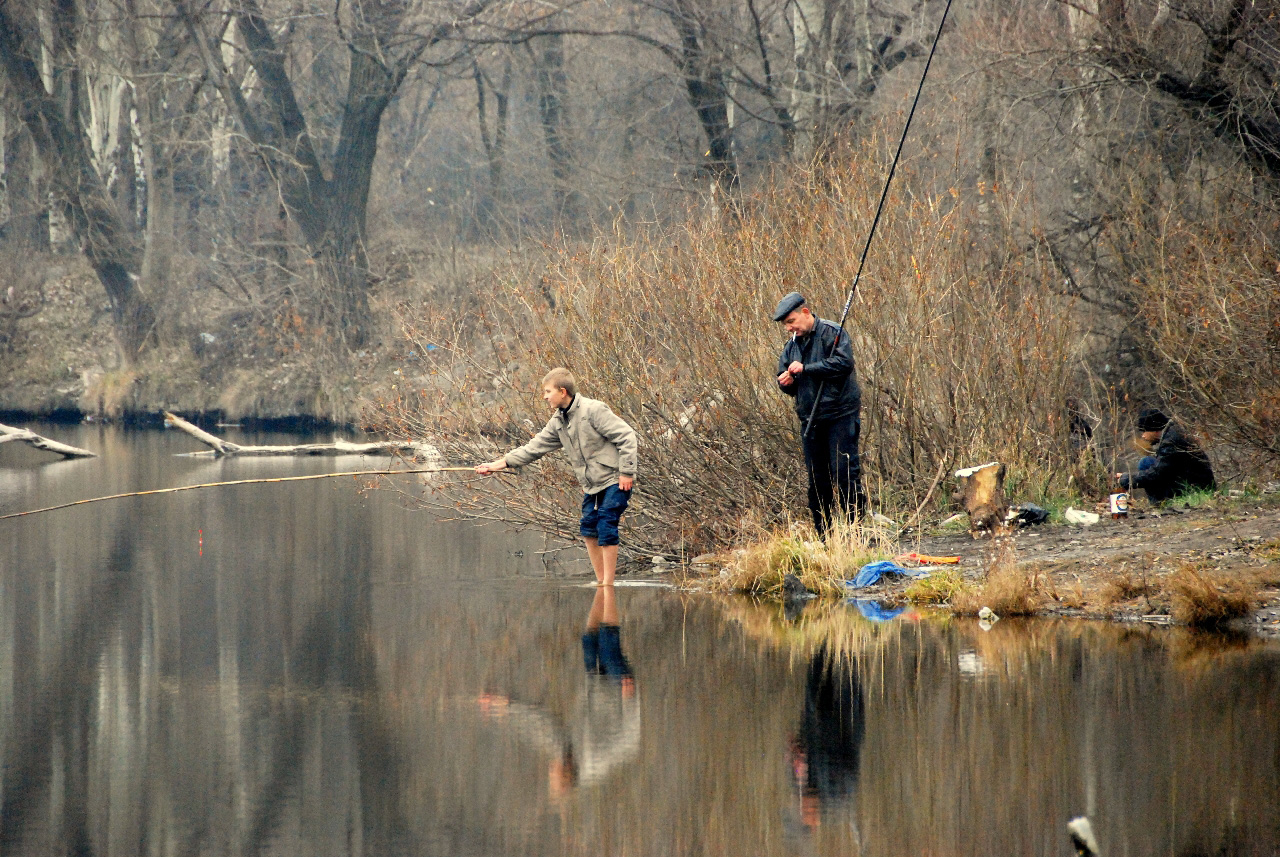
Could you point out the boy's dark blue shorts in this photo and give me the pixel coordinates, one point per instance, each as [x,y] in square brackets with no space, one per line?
[601,513]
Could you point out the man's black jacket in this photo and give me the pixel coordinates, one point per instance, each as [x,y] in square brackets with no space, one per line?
[1180,465]
[840,394]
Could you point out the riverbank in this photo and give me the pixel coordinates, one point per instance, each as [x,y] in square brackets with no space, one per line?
[215,365]
[1129,570]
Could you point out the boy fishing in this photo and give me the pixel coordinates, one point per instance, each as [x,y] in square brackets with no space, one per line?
[601,448]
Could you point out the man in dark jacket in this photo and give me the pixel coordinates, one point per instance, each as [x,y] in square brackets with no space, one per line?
[1178,465]
[818,362]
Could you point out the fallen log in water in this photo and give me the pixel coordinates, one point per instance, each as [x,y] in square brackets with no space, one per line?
[220,447]
[8,433]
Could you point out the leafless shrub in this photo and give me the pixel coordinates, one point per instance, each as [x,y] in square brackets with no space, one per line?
[1205,282]
[958,361]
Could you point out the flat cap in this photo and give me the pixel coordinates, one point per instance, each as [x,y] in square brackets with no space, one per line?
[790,302]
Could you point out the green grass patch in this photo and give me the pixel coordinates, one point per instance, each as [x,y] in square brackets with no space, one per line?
[938,588]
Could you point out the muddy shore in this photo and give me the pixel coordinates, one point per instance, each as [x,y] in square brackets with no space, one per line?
[1118,570]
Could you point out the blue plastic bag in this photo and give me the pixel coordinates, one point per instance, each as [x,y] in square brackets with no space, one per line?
[873,571]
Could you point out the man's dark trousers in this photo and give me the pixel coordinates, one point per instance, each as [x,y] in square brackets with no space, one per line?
[835,471]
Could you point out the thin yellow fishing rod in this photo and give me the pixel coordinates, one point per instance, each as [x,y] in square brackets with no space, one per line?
[242,482]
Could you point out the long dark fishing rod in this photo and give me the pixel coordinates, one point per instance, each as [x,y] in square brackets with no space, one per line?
[884,194]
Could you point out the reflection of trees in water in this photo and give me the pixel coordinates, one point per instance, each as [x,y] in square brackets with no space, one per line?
[61,711]
[103,755]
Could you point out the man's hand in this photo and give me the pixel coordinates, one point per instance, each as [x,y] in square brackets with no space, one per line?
[626,482]
[492,466]
[796,367]
[786,379]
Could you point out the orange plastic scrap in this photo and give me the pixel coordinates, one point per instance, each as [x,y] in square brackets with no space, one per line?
[926,559]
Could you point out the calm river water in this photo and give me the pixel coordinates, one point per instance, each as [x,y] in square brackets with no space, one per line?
[300,669]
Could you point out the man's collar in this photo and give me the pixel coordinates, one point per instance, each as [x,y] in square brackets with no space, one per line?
[565,411]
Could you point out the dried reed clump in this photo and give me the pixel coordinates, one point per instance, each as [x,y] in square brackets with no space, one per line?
[1007,588]
[1269,575]
[1124,585]
[822,565]
[1204,598]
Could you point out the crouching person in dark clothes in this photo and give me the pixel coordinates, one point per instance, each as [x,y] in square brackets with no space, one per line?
[812,360]
[601,448]
[1177,466]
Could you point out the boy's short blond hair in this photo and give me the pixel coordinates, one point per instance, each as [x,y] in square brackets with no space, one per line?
[561,378]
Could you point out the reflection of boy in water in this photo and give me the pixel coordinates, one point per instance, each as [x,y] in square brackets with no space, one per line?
[828,745]
[606,725]
[602,642]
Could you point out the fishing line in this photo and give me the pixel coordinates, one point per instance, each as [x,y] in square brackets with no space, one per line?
[244,482]
[884,194]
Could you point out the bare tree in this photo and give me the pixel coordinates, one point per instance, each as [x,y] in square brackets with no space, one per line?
[1217,61]
[51,112]
[382,41]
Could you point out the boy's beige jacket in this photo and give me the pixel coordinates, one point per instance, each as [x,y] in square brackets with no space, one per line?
[601,447]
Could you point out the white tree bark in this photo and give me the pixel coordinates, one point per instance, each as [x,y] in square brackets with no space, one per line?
[9,433]
[219,447]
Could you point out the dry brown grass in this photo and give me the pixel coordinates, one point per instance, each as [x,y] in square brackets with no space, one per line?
[1124,585]
[940,587]
[1270,575]
[1205,598]
[1007,588]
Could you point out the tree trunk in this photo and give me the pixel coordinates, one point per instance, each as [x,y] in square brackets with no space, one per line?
[494,140]
[24,221]
[9,433]
[330,213]
[704,81]
[109,245]
[841,55]
[552,85]
[981,491]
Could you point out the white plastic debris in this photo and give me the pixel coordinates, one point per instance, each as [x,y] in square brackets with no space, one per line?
[986,614]
[660,560]
[1080,516]
[883,520]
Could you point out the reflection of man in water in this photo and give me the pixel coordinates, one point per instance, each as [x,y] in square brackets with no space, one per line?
[827,747]
[605,728]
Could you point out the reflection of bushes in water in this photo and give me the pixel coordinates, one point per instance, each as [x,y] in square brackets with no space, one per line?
[828,626]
